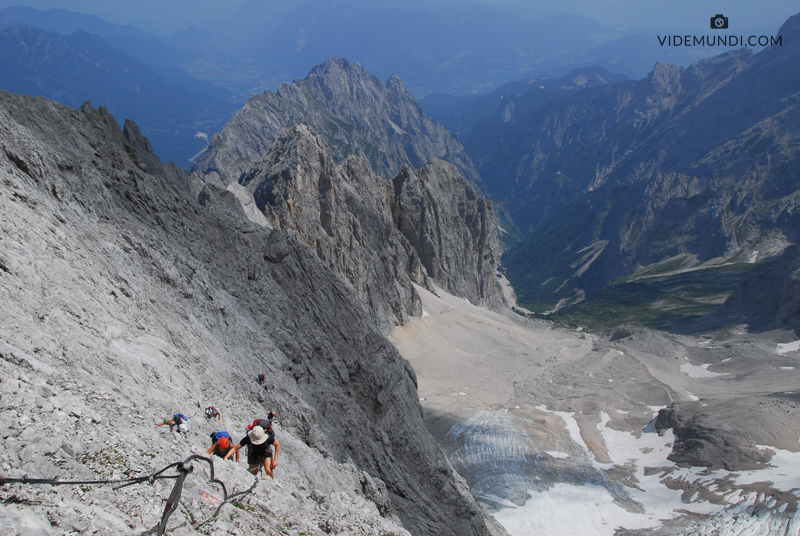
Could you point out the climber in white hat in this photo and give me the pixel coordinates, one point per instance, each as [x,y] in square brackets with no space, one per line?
[258,451]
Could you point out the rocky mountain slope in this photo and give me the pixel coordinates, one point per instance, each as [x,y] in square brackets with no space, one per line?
[126,300]
[380,236]
[513,101]
[354,111]
[83,66]
[683,169]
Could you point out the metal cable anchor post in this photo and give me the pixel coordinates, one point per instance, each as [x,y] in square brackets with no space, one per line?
[174,497]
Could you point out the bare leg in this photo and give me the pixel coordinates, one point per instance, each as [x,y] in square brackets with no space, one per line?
[268,467]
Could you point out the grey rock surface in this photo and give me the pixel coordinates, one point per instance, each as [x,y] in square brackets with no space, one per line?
[125,300]
[354,111]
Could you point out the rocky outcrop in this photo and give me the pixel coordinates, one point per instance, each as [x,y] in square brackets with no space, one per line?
[727,434]
[452,229]
[354,111]
[380,237]
[124,299]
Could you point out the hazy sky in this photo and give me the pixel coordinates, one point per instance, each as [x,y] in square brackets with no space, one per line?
[664,15]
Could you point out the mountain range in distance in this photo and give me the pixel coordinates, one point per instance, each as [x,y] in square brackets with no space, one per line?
[82,67]
[457,49]
[662,194]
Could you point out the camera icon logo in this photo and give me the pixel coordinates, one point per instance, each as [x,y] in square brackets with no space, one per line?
[719,22]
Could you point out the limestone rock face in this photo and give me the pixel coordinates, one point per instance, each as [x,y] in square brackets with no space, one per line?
[125,300]
[380,236]
[343,212]
[354,111]
[452,229]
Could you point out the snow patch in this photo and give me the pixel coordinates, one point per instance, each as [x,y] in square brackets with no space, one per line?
[572,427]
[695,371]
[587,510]
[558,455]
[785,348]
[425,313]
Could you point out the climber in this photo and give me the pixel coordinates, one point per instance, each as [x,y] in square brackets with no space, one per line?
[258,451]
[296,377]
[212,412]
[221,444]
[179,419]
[261,378]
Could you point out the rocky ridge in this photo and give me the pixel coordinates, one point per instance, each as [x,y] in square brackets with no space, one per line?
[380,236]
[355,112]
[692,167]
[127,300]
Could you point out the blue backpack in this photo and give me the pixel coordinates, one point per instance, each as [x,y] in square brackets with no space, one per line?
[180,418]
[221,433]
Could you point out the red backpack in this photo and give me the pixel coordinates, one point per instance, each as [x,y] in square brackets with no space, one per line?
[263,423]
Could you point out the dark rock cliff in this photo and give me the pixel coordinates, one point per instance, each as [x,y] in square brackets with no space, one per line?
[380,236]
[452,229]
[99,256]
[342,211]
[354,111]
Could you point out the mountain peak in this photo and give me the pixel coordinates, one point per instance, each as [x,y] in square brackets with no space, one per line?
[352,110]
[790,32]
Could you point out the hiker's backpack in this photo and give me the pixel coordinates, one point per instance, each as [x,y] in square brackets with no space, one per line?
[263,423]
[180,418]
[223,441]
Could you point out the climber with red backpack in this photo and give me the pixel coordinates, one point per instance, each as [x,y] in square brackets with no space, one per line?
[222,444]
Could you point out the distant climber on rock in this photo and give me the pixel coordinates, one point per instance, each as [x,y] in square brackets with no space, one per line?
[260,379]
[221,444]
[296,377]
[259,454]
[179,419]
[212,412]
